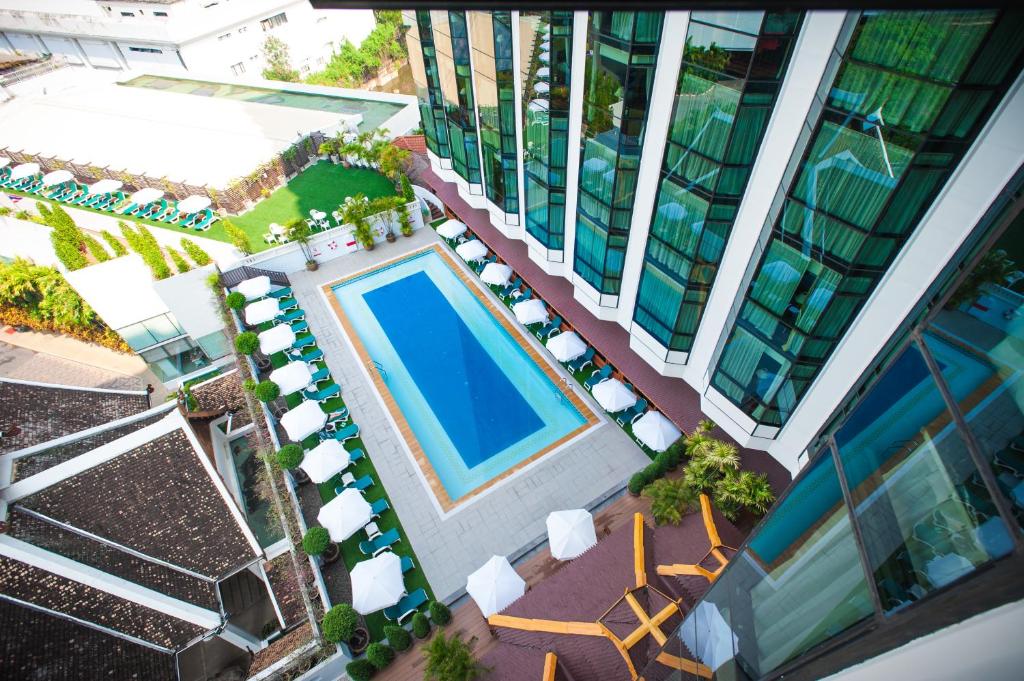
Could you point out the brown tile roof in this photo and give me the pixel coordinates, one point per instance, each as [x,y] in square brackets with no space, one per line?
[52,648]
[47,412]
[224,394]
[414,143]
[280,648]
[167,507]
[285,586]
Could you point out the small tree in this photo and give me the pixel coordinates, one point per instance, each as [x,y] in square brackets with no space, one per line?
[380,655]
[360,670]
[290,456]
[340,622]
[439,613]
[420,625]
[267,391]
[298,230]
[450,659]
[743,489]
[179,262]
[279,63]
[238,237]
[316,541]
[115,244]
[235,300]
[247,342]
[398,637]
[194,251]
[670,500]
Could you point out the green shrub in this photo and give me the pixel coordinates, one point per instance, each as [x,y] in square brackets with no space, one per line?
[267,391]
[247,342]
[637,482]
[194,251]
[450,659]
[235,300]
[380,655]
[67,253]
[96,248]
[115,244]
[249,384]
[420,625]
[179,262]
[316,540]
[439,613]
[360,670]
[670,500]
[4,210]
[340,622]
[738,490]
[673,456]
[142,241]
[398,637]
[290,456]
[661,464]
[237,237]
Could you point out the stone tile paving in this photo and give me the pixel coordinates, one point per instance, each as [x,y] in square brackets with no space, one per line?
[507,520]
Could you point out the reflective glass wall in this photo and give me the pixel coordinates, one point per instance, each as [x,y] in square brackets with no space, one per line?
[733,65]
[910,92]
[622,50]
[451,41]
[545,56]
[423,62]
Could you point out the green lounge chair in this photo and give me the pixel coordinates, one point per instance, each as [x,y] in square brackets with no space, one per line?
[285,292]
[321,374]
[599,376]
[551,328]
[291,316]
[379,506]
[300,326]
[633,413]
[311,356]
[347,433]
[407,564]
[582,362]
[380,544]
[511,288]
[304,342]
[406,607]
[323,394]
[286,304]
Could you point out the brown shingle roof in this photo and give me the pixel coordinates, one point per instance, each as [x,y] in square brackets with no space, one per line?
[223,393]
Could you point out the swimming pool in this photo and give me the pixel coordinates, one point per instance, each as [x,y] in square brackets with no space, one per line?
[476,404]
[374,113]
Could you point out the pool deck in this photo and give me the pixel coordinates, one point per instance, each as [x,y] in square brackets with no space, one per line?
[507,519]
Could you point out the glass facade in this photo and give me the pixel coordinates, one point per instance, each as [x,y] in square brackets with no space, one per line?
[423,62]
[491,35]
[152,331]
[622,50]
[545,61]
[733,65]
[910,92]
[451,40]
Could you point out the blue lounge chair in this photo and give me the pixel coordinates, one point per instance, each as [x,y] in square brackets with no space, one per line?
[511,288]
[380,544]
[407,564]
[292,316]
[356,455]
[581,362]
[599,376]
[347,433]
[406,607]
[300,326]
[285,292]
[379,506]
[551,328]
[304,342]
[361,484]
[320,375]
[633,413]
[525,295]
[204,224]
[286,304]
[323,394]
[311,356]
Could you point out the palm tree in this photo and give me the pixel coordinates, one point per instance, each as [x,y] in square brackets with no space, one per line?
[450,659]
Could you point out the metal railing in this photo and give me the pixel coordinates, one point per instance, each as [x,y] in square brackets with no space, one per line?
[52,63]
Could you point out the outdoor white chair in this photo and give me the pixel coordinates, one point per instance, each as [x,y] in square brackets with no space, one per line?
[372,531]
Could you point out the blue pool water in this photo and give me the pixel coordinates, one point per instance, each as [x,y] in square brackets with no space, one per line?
[475,401]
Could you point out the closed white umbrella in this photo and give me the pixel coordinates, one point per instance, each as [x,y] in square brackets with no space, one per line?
[706,633]
[253,288]
[566,346]
[544,57]
[57,177]
[345,514]
[261,311]
[613,396]
[106,186]
[541,88]
[496,274]
[570,533]
[656,431]
[325,461]
[279,338]
[543,72]
[495,586]
[302,421]
[377,583]
[147,195]
[451,229]
[530,311]
[194,204]
[291,377]
[546,45]
[471,250]
[24,170]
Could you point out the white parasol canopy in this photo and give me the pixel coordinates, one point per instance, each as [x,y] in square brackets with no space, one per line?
[471,250]
[495,586]
[613,395]
[672,211]
[345,514]
[544,57]
[325,461]
[279,338]
[566,346]
[261,311]
[707,634]
[377,583]
[106,186]
[147,195]
[451,229]
[570,533]
[543,72]
[541,88]
[194,204]
[57,177]
[291,377]
[530,311]
[496,274]
[24,170]
[546,45]
[656,431]
[302,421]
[253,288]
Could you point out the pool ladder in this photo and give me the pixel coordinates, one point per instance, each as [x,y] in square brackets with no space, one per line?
[379,367]
[563,393]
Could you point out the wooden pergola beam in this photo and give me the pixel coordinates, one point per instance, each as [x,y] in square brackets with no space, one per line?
[638,550]
[546,626]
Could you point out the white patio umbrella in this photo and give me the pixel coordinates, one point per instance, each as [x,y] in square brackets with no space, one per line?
[57,177]
[194,204]
[276,339]
[566,346]
[147,195]
[106,186]
[253,288]
[345,514]
[291,377]
[496,274]
[544,57]
[546,45]
[377,583]
[570,533]
[325,461]
[672,211]
[451,229]
[530,311]
[540,87]
[24,170]
[472,250]
[656,431]
[538,105]
[261,311]
[708,635]
[495,586]
[613,395]
[543,72]
[302,421]
[595,164]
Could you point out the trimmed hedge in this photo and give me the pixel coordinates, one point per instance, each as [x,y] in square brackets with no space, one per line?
[115,244]
[380,655]
[340,622]
[316,541]
[96,248]
[290,456]
[439,613]
[420,625]
[360,670]
[179,262]
[398,637]
[247,342]
[194,251]
[235,300]
[142,241]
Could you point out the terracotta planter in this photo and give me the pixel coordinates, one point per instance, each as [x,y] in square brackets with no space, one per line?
[312,265]
[369,246]
[331,554]
[407,234]
[390,237]
[359,641]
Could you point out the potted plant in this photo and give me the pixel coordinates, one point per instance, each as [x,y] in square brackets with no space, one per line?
[235,300]
[341,623]
[317,542]
[298,231]
[266,391]
[328,149]
[382,210]
[405,219]
[380,654]
[360,670]
[290,456]
[247,342]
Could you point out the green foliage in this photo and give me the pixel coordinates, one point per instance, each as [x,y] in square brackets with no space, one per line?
[68,240]
[316,540]
[142,241]
[350,66]
[360,670]
[67,253]
[299,231]
[235,301]
[439,613]
[279,63]
[247,342]
[673,455]
[450,659]
[356,211]
[115,244]
[249,384]
[340,622]
[238,237]
[179,262]
[4,210]
[406,188]
[993,268]
[290,456]
[380,655]
[96,248]
[267,391]
[638,481]
[398,637]
[738,490]
[420,625]
[194,251]
[670,500]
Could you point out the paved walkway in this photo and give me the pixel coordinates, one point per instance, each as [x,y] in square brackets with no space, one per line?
[507,520]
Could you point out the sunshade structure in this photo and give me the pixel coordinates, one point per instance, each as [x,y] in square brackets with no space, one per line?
[541,87]
[254,288]
[57,177]
[570,533]
[613,395]
[276,339]
[302,421]
[472,250]
[291,377]
[194,204]
[345,514]
[530,311]
[496,274]
[451,229]
[566,346]
[656,431]
[147,195]
[706,633]
[325,461]
[543,72]
[261,311]
[495,586]
[377,583]
[24,170]
[106,186]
